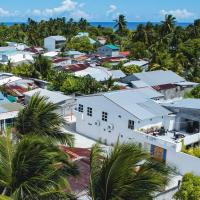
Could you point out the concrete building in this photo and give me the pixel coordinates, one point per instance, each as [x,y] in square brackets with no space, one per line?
[134,116]
[8,113]
[54,43]
[108,50]
[66,103]
[168,83]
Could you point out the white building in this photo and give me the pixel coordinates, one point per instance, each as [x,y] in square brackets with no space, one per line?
[8,113]
[54,43]
[100,73]
[133,116]
[108,50]
[66,103]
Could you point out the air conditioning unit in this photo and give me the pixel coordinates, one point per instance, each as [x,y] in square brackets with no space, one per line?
[110,127]
[97,123]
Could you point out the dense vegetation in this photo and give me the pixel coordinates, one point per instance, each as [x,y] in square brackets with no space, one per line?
[165,45]
[190,188]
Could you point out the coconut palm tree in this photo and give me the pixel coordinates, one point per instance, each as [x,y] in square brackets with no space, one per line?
[121,24]
[169,24]
[34,168]
[126,172]
[40,117]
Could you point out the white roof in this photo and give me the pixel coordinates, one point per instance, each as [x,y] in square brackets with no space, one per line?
[51,54]
[8,80]
[185,103]
[54,97]
[137,103]
[159,77]
[139,84]
[97,73]
[20,57]
[139,63]
[57,37]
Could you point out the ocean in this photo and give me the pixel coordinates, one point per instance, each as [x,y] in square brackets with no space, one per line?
[131,25]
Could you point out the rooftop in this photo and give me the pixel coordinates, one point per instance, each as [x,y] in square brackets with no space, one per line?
[57,37]
[113,47]
[54,97]
[9,107]
[185,103]
[139,63]
[159,77]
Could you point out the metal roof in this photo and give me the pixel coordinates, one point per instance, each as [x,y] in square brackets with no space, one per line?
[111,46]
[57,37]
[184,103]
[159,77]
[139,84]
[139,63]
[137,102]
[54,97]
[116,74]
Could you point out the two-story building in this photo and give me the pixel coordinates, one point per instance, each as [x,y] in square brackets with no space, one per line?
[109,50]
[135,116]
[54,43]
[65,103]
[168,83]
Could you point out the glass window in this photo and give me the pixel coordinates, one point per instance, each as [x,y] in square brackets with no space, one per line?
[89,111]
[80,108]
[105,116]
[131,124]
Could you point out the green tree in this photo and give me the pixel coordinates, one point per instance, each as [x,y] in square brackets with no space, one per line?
[34,168]
[190,188]
[131,69]
[81,44]
[168,24]
[126,172]
[121,25]
[40,117]
[42,65]
[194,93]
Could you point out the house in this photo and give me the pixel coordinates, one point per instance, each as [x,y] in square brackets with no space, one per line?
[100,73]
[65,103]
[85,34]
[168,83]
[108,50]
[143,64]
[75,54]
[133,116]
[8,112]
[54,43]
[102,40]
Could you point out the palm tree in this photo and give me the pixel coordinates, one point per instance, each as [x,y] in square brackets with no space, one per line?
[126,172]
[40,117]
[34,168]
[169,24]
[121,24]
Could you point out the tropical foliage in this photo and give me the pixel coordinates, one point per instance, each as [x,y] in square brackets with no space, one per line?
[126,172]
[40,117]
[34,168]
[190,188]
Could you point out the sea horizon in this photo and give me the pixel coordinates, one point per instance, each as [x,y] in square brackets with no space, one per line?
[130,25]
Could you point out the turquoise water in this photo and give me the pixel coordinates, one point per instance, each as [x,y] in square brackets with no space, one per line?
[131,25]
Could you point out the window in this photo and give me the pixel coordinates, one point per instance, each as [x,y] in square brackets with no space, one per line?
[89,111]
[80,108]
[105,116]
[130,124]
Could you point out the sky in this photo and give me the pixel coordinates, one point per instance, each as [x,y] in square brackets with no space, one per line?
[99,10]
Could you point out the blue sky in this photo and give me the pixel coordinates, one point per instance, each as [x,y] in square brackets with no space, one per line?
[99,10]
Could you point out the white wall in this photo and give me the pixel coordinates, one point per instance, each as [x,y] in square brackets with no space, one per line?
[86,124]
[49,44]
[105,51]
[183,162]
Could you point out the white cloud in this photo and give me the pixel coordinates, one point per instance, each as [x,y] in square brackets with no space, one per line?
[178,13]
[66,8]
[4,13]
[77,14]
[111,10]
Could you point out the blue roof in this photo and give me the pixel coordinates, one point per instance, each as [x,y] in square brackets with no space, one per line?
[111,46]
[3,99]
